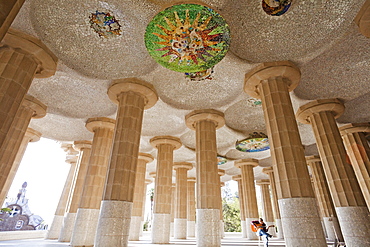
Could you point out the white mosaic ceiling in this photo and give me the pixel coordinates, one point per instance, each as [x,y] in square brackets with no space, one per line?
[319,36]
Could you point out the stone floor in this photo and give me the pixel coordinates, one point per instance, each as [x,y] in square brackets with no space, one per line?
[231,239]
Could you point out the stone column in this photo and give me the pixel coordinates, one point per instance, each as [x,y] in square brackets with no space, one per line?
[358,151]
[30,108]
[323,199]
[84,147]
[249,193]
[163,186]
[205,123]
[31,135]
[275,205]
[191,208]
[267,213]
[57,224]
[173,207]
[22,57]
[239,180]
[272,82]
[88,210]
[9,10]
[180,222]
[132,96]
[221,184]
[363,19]
[139,195]
[147,182]
[345,191]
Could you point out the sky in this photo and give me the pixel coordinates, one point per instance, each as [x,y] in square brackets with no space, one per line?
[44,169]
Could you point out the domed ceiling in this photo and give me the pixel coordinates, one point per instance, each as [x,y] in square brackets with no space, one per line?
[319,36]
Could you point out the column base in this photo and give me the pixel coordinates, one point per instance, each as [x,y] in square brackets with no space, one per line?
[279,229]
[114,224]
[272,230]
[68,225]
[208,224]
[302,211]
[355,225]
[180,228]
[244,228]
[250,234]
[222,229]
[135,228]
[190,229]
[329,227]
[85,227]
[55,227]
[161,228]
[172,229]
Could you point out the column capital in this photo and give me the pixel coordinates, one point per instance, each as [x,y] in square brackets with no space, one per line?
[153,174]
[100,122]
[246,162]
[145,157]
[363,19]
[264,71]
[186,165]
[268,170]
[354,128]
[37,106]
[221,172]
[46,60]
[263,181]
[237,177]
[148,181]
[33,135]
[133,85]
[313,158]
[192,179]
[332,105]
[79,145]
[208,114]
[174,141]
[222,184]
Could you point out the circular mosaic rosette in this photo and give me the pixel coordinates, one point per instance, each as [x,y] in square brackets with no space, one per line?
[276,7]
[253,145]
[187,38]
[221,160]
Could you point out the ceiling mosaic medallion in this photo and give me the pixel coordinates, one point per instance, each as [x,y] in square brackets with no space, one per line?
[276,7]
[255,142]
[105,24]
[221,160]
[187,38]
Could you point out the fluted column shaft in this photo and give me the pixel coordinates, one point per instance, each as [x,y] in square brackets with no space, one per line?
[191,208]
[139,195]
[343,186]
[57,224]
[180,223]
[249,192]
[358,151]
[31,135]
[272,82]
[163,187]
[275,204]
[323,198]
[30,108]
[9,10]
[92,192]
[266,200]
[239,180]
[76,189]
[18,67]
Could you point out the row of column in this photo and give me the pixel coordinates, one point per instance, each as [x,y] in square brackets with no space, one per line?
[23,57]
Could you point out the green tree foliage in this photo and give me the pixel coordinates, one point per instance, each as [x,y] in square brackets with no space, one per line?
[231,211]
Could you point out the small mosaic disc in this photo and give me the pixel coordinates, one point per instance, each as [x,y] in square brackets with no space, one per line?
[253,145]
[187,38]
[221,160]
[276,7]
